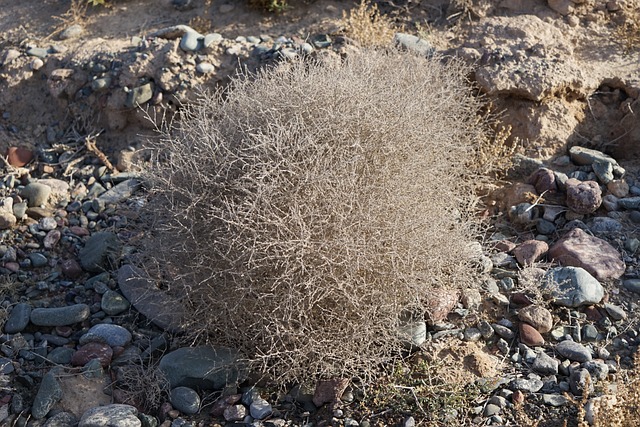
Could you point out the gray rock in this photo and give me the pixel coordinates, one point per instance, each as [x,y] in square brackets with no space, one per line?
[554,400]
[260,409]
[503,331]
[60,316]
[603,171]
[139,95]
[573,286]
[486,330]
[491,410]
[185,400]
[615,312]
[212,38]
[113,303]
[629,203]
[113,335]
[120,192]
[49,393]
[578,381]
[412,43]
[18,319]
[6,366]
[573,351]
[597,368]
[531,385]
[472,334]
[191,41]
[61,355]
[589,332]
[205,68]
[72,32]
[413,334]
[20,210]
[37,260]
[62,419]
[545,364]
[39,52]
[37,194]
[114,415]
[101,84]
[100,252]
[585,156]
[632,285]
[162,309]
[206,367]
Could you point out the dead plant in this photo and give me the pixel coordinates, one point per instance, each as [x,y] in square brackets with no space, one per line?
[367,26]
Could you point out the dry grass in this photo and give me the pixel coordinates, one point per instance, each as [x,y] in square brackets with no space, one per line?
[365,25]
[273,6]
[141,385]
[308,211]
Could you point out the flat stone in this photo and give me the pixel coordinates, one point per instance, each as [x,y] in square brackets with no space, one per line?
[615,312]
[205,68]
[329,391]
[100,252]
[260,409]
[573,286]
[632,285]
[158,306]
[139,95]
[191,41]
[185,400]
[573,351]
[72,32]
[61,355]
[120,192]
[18,319]
[586,156]
[529,335]
[112,335]
[37,194]
[60,316]
[603,225]
[545,364]
[39,52]
[538,317]
[413,334]
[530,251]
[111,416]
[49,393]
[618,187]
[38,260]
[580,382]
[629,202]
[524,384]
[91,351]
[414,44]
[579,249]
[583,197]
[554,400]
[206,367]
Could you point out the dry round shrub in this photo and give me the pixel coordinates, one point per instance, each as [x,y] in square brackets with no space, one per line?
[306,211]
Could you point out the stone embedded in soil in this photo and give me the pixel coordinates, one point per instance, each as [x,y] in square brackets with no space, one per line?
[439,303]
[538,317]
[71,269]
[162,309]
[99,252]
[563,7]
[60,316]
[111,415]
[580,382]
[90,351]
[19,156]
[37,194]
[543,180]
[573,351]
[579,249]
[185,400]
[603,225]
[583,197]
[49,393]
[586,156]
[529,335]
[413,43]
[532,385]
[615,312]
[113,335]
[619,188]
[329,391]
[573,286]
[530,251]
[18,319]
[120,192]
[206,367]
[113,303]
[260,409]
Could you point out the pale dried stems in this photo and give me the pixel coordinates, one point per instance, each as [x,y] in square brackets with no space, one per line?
[628,33]
[312,208]
[142,385]
[76,15]
[367,26]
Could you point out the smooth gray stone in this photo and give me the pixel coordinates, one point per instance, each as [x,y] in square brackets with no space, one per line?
[62,419]
[413,43]
[191,41]
[545,364]
[60,316]
[573,351]
[573,286]
[578,381]
[209,39]
[37,194]
[49,393]
[39,52]
[173,32]
[629,203]
[111,416]
[37,260]
[206,367]
[615,312]
[120,192]
[260,409]
[100,252]
[61,355]
[554,400]
[162,309]
[113,335]
[139,95]
[185,400]
[6,366]
[632,285]
[531,385]
[113,303]
[18,319]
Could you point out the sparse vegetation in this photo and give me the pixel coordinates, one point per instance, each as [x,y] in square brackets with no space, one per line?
[628,33]
[366,25]
[306,208]
[273,6]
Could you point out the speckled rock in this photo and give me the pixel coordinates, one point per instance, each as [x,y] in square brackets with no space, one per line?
[583,197]
[530,251]
[114,415]
[573,286]
[538,317]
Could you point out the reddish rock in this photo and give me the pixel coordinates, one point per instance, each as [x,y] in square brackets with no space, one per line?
[530,251]
[14,267]
[529,335]
[64,331]
[19,156]
[583,197]
[517,398]
[579,249]
[618,187]
[90,351]
[593,313]
[505,246]
[543,180]
[71,269]
[520,299]
[439,303]
[79,231]
[538,317]
[51,239]
[329,391]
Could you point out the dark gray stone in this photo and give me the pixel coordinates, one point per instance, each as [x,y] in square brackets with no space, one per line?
[573,351]
[185,400]
[206,367]
[260,409]
[139,95]
[49,393]
[18,319]
[37,259]
[545,364]
[629,203]
[100,252]
[61,355]
[632,285]
[60,316]
[578,381]
[113,303]
[573,286]
[62,419]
